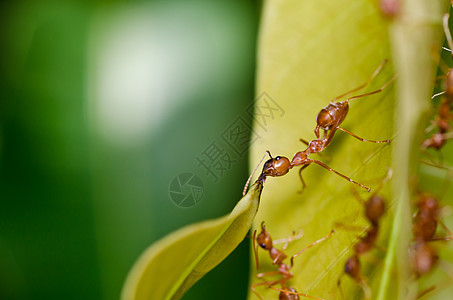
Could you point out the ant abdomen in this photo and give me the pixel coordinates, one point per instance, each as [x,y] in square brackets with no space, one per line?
[331,115]
[425,258]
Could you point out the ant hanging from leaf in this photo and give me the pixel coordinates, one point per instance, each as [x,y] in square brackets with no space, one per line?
[328,120]
[264,240]
[374,210]
[280,165]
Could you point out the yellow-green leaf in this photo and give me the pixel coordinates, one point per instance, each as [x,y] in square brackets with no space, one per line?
[309,53]
[169,267]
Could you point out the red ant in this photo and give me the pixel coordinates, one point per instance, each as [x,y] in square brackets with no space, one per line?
[280,165]
[444,117]
[374,210]
[331,116]
[264,240]
[424,229]
[328,119]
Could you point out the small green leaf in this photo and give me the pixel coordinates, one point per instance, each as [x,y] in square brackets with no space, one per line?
[169,267]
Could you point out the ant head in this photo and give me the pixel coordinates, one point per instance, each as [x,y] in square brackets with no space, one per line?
[427,203]
[288,294]
[264,238]
[374,208]
[276,166]
[352,267]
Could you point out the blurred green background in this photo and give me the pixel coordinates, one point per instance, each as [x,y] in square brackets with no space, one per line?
[103,104]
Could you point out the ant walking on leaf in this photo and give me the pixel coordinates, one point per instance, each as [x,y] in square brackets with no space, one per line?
[329,120]
[264,240]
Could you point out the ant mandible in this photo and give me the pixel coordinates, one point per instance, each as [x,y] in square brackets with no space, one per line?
[264,240]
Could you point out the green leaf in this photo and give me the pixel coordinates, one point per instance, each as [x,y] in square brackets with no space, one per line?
[311,52]
[169,267]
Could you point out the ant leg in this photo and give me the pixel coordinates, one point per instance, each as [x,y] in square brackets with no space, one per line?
[293,237]
[373,92]
[252,287]
[361,139]
[425,291]
[303,141]
[269,283]
[366,288]
[338,173]
[339,287]
[438,94]
[301,179]
[255,250]
[449,237]
[381,185]
[448,270]
[295,293]
[311,245]
[376,72]
[441,157]
[447,31]
[358,229]
[430,157]
[261,275]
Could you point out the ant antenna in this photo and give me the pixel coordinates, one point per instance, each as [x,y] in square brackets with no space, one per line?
[438,94]
[373,92]
[447,32]
[255,250]
[251,175]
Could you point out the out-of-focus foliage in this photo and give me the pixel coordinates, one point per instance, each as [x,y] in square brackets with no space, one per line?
[102,105]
